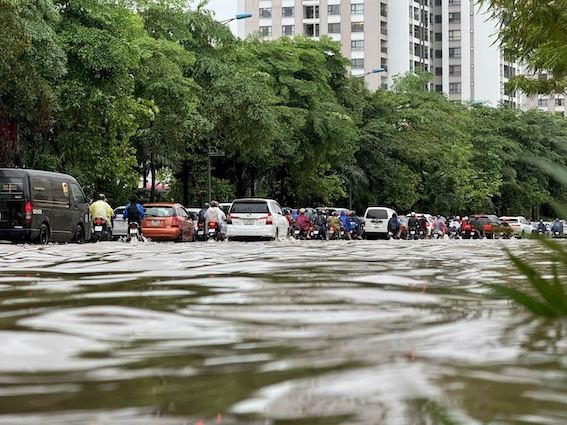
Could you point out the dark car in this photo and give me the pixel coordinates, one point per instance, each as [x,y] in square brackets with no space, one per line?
[490,226]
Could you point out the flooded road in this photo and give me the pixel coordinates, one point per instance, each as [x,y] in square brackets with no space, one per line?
[289,333]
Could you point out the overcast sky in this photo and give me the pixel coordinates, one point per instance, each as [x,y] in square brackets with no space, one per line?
[224,9]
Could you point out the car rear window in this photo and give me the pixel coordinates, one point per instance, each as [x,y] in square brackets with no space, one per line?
[377,213]
[159,212]
[250,207]
[11,188]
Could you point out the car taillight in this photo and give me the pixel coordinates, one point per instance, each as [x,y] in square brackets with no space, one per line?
[466,227]
[98,221]
[228,219]
[29,210]
[175,221]
[268,218]
[487,227]
[212,224]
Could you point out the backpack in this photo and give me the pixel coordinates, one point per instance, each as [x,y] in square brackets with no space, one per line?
[133,213]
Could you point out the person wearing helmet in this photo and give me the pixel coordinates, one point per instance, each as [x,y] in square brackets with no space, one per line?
[303,222]
[413,224]
[100,208]
[214,213]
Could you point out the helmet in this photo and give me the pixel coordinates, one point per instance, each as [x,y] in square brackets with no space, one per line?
[466,218]
[412,214]
[541,220]
[457,218]
[302,211]
[101,197]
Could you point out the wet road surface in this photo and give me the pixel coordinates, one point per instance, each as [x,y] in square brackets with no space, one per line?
[294,333]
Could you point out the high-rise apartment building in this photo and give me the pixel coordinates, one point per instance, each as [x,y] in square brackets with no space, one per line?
[453,39]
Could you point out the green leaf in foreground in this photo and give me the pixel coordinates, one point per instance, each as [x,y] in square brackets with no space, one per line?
[552,300]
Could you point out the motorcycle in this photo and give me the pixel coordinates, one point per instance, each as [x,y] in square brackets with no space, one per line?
[297,233]
[316,233]
[332,233]
[134,232]
[214,231]
[100,232]
[201,233]
[453,233]
[412,233]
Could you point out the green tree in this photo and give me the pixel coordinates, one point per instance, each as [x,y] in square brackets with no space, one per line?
[534,32]
[31,62]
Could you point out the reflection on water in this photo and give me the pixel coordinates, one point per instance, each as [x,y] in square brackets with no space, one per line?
[302,333]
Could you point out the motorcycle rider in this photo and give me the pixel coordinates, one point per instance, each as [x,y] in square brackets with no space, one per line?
[557,227]
[412,223]
[303,222]
[214,213]
[202,212]
[439,225]
[541,227]
[345,222]
[394,225]
[100,208]
[134,213]
[455,225]
[320,221]
[335,222]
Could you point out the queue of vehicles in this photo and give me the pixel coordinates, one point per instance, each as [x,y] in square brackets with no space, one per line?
[40,206]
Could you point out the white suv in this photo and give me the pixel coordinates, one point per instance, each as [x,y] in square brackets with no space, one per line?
[256,218]
[520,226]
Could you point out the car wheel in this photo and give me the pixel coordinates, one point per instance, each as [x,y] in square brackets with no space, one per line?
[523,235]
[79,234]
[277,237]
[44,234]
[180,237]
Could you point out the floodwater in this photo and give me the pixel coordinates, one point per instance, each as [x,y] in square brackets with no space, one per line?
[275,333]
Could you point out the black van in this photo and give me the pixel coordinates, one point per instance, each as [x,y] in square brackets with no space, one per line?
[41,206]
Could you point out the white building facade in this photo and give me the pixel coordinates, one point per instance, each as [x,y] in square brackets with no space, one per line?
[453,39]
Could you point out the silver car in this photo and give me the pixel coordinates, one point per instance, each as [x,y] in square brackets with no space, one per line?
[119,225]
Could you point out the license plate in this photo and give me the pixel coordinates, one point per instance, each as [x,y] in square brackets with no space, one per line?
[156,222]
[472,233]
[133,231]
[248,222]
[201,232]
[315,232]
[98,228]
[412,232]
[297,232]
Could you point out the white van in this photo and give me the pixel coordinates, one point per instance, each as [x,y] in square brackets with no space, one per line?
[376,221]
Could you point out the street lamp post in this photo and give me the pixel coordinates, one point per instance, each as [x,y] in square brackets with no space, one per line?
[236,17]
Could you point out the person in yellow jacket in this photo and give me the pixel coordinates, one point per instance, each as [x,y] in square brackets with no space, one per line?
[100,208]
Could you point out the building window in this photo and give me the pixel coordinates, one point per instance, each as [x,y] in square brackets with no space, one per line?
[357,45]
[266,31]
[357,26]
[559,102]
[334,28]
[311,12]
[265,12]
[357,63]
[454,35]
[542,102]
[454,52]
[454,88]
[437,2]
[357,9]
[439,87]
[311,30]
[334,9]
[455,17]
[438,36]
[454,1]
[454,69]
[438,54]
[383,28]
[384,10]
[288,12]
[288,30]
[438,19]
[438,71]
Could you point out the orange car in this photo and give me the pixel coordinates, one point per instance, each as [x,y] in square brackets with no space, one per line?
[167,221]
